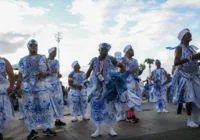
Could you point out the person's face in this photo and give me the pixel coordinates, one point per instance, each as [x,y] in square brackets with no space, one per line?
[54,53]
[158,64]
[33,48]
[103,52]
[77,67]
[131,52]
[187,37]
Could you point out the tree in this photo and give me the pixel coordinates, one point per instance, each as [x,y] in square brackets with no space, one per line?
[149,61]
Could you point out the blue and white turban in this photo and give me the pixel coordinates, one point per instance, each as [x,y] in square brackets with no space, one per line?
[127,48]
[32,41]
[157,61]
[118,54]
[74,64]
[51,50]
[105,45]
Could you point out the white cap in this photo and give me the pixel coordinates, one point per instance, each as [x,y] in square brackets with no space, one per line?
[51,50]
[127,48]
[182,33]
[118,54]
[105,45]
[74,64]
[32,41]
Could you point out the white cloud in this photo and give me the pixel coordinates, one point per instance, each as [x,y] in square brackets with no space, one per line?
[13,13]
[152,29]
[51,4]
[181,3]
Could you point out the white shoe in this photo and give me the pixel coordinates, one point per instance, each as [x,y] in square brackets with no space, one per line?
[112,132]
[96,133]
[21,118]
[85,117]
[192,124]
[158,111]
[165,111]
[74,119]
[121,118]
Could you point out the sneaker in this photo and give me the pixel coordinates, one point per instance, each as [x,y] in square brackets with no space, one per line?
[192,124]
[128,119]
[49,132]
[59,123]
[85,117]
[112,132]
[158,111]
[134,119]
[121,118]
[21,118]
[32,135]
[74,119]
[1,136]
[96,133]
[165,111]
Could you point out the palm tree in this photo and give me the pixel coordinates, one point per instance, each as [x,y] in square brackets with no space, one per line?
[149,61]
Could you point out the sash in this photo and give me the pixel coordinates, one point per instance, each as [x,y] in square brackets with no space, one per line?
[33,69]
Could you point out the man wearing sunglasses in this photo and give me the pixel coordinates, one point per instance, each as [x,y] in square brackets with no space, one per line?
[101,68]
[35,91]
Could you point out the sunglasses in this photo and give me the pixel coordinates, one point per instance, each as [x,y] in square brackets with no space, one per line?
[33,45]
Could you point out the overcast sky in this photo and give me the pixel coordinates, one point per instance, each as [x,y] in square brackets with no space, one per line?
[148,25]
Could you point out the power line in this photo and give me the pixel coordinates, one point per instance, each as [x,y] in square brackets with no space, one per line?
[58,37]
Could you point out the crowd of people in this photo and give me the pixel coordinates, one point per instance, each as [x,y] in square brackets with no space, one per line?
[112,86]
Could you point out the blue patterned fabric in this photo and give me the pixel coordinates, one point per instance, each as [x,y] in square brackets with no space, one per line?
[78,98]
[102,111]
[187,75]
[21,110]
[6,111]
[159,91]
[35,93]
[115,87]
[56,93]
[132,82]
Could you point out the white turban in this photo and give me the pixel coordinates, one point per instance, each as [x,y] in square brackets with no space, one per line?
[105,45]
[182,33]
[127,48]
[157,61]
[51,50]
[74,64]
[32,41]
[118,54]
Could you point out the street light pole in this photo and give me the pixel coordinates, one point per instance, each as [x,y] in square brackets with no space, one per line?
[58,37]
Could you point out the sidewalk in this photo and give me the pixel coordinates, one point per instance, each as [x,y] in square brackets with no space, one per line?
[152,126]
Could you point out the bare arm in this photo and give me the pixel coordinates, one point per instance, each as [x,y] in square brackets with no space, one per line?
[117,64]
[47,65]
[151,77]
[19,80]
[178,60]
[168,77]
[10,73]
[71,83]
[89,71]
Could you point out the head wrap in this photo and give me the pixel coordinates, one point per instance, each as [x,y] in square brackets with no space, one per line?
[118,54]
[74,64]
[32,41]
[157,61]
[105,45]
[51,50]
[182,33]
[127,48]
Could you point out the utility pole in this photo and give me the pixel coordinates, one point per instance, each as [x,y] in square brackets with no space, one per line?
[58,37]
